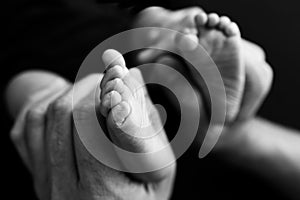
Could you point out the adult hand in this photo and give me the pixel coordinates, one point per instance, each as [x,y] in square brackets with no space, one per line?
[47,141]
[256,71]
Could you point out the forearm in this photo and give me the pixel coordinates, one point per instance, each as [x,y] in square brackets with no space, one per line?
[270,150]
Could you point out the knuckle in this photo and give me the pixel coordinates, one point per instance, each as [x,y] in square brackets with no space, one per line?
[35,115]
[255,51]
[61,83]
[83,112]
[269,74]
[265,83]
[269,71]
[61,106]
[260,51]
[15,137]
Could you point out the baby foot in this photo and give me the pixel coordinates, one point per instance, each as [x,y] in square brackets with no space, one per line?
[221,39]
[181,21]
[218,35]
[123,100]
[132,121]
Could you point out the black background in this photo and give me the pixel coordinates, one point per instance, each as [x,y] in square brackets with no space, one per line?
[38,40]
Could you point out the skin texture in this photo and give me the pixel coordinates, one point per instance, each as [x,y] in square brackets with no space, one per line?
[132,120]
[45,137]
[221,38]
[247,76]
[246,141]
[48,144]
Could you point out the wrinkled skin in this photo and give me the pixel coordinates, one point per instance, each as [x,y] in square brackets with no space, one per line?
[60,165]
[49,145]
[257,72]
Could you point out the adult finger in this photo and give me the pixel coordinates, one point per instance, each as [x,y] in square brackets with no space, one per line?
[259,77]
[18,132]
[35,127]
[59,143]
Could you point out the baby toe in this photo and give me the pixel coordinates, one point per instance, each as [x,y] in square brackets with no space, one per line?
[119,113]
[213,20]
[113,73]
[233,29]
[224,22]
[115,84]
[201,19]
[109,101]
[112,57]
